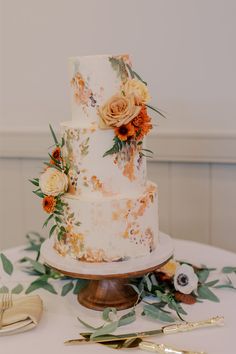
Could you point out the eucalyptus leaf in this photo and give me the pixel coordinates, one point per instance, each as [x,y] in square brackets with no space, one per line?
[40,284]
[203,275]
[106,313]
[127,318]
[4,289]
[226,286]
[212,283]
[33,247]
[34,237]
[88,326]
[148,282]
[80,284]
[109,328]
[136,289]
[67,288]
[228,270]
[7,264]
[205,293]
[38,267]
[177,307]
[157,314]
[17,289]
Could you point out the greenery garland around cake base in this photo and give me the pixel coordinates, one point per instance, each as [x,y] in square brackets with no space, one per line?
[162,292]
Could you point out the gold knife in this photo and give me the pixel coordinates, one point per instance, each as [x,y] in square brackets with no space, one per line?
[169,329]
[164,349]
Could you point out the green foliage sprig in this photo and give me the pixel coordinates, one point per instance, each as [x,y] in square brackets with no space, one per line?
[6,264]
[60,165]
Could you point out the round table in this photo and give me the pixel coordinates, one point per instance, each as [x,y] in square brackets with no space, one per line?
[59,321]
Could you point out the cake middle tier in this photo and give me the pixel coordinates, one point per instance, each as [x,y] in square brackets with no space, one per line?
[90,171]
[111,228]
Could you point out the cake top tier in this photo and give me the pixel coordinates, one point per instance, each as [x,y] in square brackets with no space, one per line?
[94,80]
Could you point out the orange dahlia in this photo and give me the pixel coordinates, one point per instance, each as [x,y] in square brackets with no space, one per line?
[49,203]
[124,132]
[142,123]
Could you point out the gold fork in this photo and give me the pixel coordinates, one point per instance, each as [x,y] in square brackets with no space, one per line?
[5,304]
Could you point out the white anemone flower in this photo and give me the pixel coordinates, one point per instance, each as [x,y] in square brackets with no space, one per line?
[185,280]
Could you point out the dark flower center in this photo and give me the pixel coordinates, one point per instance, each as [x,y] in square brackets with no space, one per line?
[123,130]
[182,279]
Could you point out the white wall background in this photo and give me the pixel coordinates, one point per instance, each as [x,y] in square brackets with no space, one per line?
[186,51]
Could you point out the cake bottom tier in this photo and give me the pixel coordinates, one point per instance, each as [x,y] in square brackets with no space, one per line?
[110,229]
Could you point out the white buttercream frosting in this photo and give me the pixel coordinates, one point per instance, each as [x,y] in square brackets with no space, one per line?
[111,211]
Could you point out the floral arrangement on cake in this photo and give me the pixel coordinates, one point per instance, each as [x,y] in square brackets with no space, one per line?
[51,185]
[126,111]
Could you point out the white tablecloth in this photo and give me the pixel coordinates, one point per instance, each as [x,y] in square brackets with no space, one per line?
[59,321]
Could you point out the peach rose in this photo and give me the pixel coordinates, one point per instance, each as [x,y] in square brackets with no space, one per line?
[138,89]
[53,182]
[118,110]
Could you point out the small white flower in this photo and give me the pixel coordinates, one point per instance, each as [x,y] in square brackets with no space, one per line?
[185,280]
[53,182]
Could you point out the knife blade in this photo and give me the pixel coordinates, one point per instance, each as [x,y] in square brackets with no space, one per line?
[169,329]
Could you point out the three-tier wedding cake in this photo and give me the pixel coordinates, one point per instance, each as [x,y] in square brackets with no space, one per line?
[108,211]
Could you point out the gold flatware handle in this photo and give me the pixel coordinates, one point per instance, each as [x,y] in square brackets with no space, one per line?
[189,326]
[164,349]
[173,328]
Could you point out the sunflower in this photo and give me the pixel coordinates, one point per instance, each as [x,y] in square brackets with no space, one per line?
[124,132]
[49,203]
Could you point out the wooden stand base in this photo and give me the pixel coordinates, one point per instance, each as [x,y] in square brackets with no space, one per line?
[108,282]
[99,294]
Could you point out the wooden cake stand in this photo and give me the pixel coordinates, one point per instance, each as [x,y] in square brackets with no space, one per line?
[108,282]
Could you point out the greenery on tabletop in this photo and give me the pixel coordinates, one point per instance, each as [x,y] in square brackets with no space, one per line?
[6,263]
[155,290]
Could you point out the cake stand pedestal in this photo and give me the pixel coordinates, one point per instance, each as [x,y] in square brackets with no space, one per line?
[108,282]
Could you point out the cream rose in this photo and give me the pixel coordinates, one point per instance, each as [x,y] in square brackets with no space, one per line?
[138,89]
[117,111]
[53,182]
